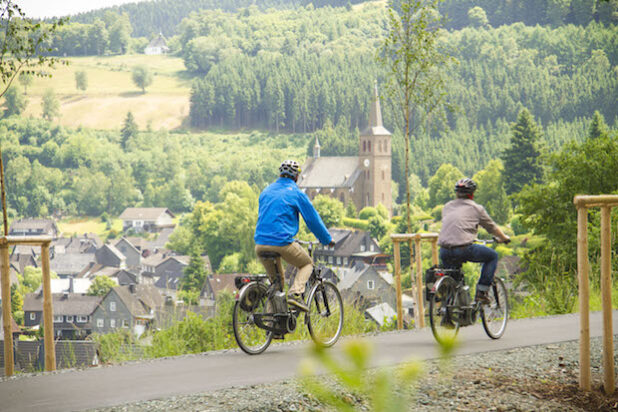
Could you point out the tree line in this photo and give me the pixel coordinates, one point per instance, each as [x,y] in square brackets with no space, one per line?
[150,18]
[51,169]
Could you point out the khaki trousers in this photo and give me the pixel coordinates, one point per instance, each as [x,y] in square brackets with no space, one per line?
[295,255]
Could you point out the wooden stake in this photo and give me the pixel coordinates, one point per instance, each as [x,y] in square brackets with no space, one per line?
[7,317]
[48,317]
[419,283]
[434,251]
[398,284]
[584,298]
[606,300]
[3,197]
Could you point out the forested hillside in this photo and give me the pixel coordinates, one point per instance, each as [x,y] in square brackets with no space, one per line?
[324,60]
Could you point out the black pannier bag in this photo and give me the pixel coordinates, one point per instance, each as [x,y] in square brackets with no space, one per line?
[430,279]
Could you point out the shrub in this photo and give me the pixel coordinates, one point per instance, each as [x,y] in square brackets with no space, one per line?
[356,223]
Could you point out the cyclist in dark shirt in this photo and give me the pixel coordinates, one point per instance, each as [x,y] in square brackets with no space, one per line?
[280,204]
[460,220]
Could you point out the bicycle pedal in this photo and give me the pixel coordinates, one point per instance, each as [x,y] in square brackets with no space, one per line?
[281,337]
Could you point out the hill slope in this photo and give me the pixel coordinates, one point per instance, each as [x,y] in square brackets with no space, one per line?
[111,93]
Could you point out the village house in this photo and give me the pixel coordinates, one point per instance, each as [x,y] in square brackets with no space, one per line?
[70,264]
[88,243]
[216,284]
[108,255]
[158,45]
[365,179]
[131,253]
[170,272]
[21,261]
[364,286]
[381,313]
[67,285]
[351,246]
[34,227]
[131,307]
[72,313]
[146,219]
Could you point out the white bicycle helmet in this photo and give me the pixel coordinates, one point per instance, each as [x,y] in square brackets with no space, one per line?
[289,168]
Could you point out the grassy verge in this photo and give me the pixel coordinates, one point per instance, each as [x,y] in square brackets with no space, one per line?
[194,334]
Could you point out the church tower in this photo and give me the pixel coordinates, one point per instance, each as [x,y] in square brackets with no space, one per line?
[375,158]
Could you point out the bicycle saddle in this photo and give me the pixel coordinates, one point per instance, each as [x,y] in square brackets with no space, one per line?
[269,255]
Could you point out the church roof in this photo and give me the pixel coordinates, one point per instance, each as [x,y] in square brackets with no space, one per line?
[331,171]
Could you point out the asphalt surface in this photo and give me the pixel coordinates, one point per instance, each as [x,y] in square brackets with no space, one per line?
[161,378]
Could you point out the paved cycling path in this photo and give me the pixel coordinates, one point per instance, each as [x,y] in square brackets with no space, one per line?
[161,378]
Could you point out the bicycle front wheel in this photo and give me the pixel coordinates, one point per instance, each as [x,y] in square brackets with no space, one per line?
[496,314]
[325,316]
[252,300]
[443,311]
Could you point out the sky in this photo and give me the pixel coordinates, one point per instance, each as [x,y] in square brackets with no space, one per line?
[55,8]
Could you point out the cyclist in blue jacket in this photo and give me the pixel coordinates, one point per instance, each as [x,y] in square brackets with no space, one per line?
[280,204]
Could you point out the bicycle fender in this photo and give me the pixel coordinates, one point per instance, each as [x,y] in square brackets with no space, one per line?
[443,279]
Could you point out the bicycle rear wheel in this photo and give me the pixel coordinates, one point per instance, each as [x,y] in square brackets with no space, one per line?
[325,316]
[443,311]
[252,300]
[496,314]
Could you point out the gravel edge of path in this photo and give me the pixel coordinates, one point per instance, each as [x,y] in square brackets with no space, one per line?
[533,378]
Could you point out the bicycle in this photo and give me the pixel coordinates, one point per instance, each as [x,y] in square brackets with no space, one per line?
[451,306]
[261,312]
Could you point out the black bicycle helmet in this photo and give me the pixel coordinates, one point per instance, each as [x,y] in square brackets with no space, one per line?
[465,185]
[289,168]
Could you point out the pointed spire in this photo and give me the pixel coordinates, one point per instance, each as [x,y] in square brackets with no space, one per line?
[375,126]
[375,114]
[316,148]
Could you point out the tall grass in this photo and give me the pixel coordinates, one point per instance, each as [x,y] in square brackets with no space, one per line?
[196,334]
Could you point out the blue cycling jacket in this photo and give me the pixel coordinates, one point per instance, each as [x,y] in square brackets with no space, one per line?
[277,222]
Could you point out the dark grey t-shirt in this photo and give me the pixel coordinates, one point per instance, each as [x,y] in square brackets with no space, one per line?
[460,221]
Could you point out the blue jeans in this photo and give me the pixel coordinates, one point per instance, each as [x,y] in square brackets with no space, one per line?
[454,258]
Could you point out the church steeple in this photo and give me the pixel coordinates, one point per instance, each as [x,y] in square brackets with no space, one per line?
[316,148]
[375,157]
[375,114]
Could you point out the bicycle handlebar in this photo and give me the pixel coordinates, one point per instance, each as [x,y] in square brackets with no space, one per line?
[307,243]
[489,241]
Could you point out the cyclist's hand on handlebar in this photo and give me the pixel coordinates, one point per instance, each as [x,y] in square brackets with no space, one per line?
[506,239]
[332,243]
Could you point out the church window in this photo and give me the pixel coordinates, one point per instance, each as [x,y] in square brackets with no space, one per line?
[382,197]
[369,146]
[386,145]
[364,146]
[341,198]
[380,148]
[383,178]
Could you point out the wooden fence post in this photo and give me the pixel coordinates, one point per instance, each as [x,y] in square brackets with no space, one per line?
[419,282]
[398,284]
[7,316]
[606,299]
[434,251]
[48,317]
[584,298]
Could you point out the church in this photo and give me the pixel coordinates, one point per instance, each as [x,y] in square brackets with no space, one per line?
[365,179]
